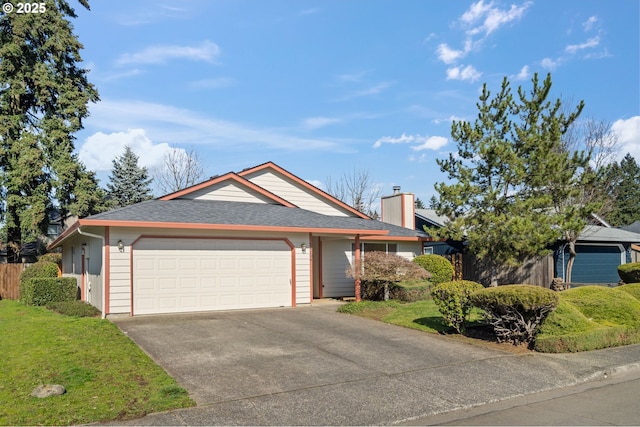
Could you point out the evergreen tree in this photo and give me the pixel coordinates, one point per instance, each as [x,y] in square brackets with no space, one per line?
[626,192]
[43,98]
[130,183]
[419,204]
[511,175]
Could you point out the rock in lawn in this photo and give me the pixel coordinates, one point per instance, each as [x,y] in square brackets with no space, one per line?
[48,390]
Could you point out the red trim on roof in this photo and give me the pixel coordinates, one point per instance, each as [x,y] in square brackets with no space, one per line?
[226,177]
[316,190]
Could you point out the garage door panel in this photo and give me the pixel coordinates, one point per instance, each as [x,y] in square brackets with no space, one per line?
[181,275]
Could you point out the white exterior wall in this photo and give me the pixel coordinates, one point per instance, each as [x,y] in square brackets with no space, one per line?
[295,193]
[72,266]
[336,257]
[399,210]
[228,191]
[409,250]
[120,274]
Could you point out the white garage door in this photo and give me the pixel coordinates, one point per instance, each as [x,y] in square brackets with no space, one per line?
[173,275]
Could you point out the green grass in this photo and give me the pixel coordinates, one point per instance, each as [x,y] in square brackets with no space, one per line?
[586,318]
[422,315]
[589,318]
[106,375]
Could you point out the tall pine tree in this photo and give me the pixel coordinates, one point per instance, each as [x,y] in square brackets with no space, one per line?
[44,96]
[130,183]
[626,192]
[510,174]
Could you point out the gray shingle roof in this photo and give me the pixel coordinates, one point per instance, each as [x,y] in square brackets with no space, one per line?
[240,213]
[595,233]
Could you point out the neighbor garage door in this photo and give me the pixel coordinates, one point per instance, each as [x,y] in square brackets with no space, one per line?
[173,275]
[595,263]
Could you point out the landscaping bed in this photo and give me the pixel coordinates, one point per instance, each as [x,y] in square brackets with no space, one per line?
[586,318]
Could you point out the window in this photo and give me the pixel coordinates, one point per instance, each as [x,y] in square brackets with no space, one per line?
[389,248]
[427,250]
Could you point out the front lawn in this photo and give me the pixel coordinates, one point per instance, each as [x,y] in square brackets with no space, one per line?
[106,375]
[586,318]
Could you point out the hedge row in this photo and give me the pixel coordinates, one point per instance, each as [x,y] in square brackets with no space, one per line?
[44,290]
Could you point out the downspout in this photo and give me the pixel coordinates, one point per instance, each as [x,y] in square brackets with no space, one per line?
[96,236]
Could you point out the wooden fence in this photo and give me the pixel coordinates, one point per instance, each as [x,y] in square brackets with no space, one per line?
[10,280]
[535,271]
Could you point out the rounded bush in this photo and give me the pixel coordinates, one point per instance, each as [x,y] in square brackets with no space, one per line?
[629,273]
[51,257]
[440,268]
[516,311]
[452,300]
[40,269]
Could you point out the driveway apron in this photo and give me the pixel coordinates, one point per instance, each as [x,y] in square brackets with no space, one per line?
[314,366]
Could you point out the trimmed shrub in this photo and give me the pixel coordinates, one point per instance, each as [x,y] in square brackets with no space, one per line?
[410,290]
[632,289]
[379,270]
[55,257]
[452,300]
[629,273]
[440,267]
[516,311]
[39,269]
[74,308]
[43,290]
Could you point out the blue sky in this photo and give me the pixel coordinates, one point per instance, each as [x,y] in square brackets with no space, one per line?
[324,87]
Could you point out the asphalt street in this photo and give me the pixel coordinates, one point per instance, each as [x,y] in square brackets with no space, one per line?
[611,401]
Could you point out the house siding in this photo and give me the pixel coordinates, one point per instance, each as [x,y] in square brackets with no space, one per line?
[229,192]
[336,257]
[295,193]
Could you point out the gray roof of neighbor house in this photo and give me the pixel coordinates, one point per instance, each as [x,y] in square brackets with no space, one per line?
[432,216]
[595,233]
[241,214]
[634,228]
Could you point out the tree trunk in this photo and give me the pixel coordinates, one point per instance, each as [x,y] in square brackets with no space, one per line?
[572,258]
[14,235]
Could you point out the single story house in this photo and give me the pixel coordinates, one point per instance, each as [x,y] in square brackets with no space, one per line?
[599,251]
[262,237]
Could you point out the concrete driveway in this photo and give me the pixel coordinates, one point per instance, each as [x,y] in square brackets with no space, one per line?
[313,366]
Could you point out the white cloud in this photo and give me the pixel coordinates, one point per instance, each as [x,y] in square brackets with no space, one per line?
[592,42]
[423,142]
[448,55]
[628,132]
[207,51]
[523,74]
[318,122]
[589,23]
[486,19]
[449,119]
[430,143]
[549,63]
[182,126]
[466,73]
[99,150]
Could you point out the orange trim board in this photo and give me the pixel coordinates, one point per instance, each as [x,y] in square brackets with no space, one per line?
[235,227]
[271,165]
[150,236]
[226,177]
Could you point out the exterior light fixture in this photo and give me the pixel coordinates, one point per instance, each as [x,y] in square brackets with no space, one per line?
[304,248]
[84,248]
[120,246]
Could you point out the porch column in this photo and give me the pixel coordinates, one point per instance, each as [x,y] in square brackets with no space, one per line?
[357,267]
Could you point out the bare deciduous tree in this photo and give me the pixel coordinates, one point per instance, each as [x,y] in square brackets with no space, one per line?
[355,189]
[180,169]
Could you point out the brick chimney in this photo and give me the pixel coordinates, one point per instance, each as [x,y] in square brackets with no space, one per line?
[398,209]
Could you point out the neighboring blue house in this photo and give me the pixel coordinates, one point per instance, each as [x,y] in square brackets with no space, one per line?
[600,250]
[429,218]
